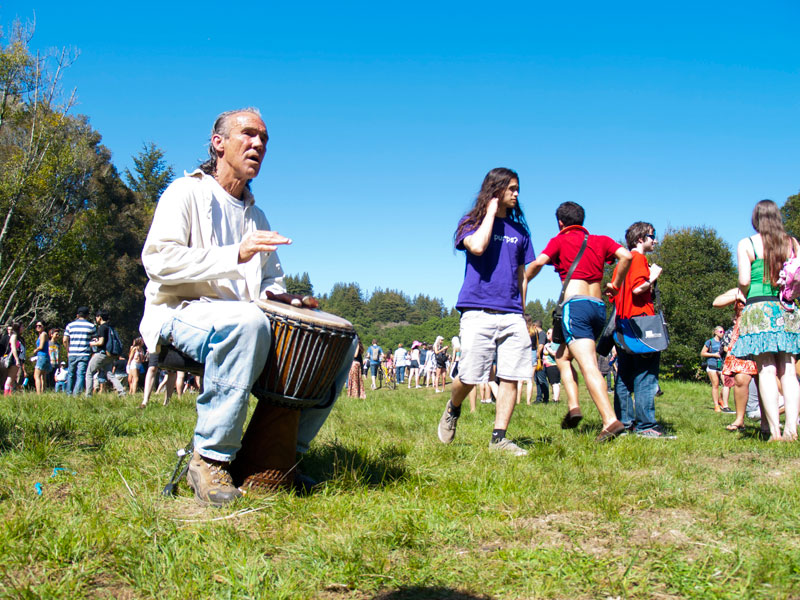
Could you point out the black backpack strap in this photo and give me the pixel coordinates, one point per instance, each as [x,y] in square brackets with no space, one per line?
[572,268]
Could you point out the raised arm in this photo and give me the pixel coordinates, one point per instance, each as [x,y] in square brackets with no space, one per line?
[729,297]
[624,258]
[477,242]
[532,270]
[706,354]
[655,272]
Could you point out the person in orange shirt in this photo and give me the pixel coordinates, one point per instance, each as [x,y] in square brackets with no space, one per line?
[637,375]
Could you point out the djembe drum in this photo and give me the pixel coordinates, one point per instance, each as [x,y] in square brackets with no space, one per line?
[308,348]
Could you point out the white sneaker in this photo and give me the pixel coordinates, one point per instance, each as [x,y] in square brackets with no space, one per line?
[507,446]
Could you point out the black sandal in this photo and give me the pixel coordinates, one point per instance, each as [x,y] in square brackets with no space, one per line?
[572,418]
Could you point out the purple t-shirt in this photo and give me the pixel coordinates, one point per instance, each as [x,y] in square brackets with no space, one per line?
[490,280]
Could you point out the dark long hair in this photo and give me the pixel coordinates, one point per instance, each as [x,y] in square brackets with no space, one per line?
[767,221]
[493,186]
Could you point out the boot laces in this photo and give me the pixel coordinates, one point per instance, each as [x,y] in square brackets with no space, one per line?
[220,474]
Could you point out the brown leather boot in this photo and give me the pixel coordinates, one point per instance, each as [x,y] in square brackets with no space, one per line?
[211,482]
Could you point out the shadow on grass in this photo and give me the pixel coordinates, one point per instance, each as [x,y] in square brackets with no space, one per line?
[531,442]
[428,593]
[335,462]
[753,431]
[594,429]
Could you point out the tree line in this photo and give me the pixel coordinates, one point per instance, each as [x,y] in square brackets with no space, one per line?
[71,229]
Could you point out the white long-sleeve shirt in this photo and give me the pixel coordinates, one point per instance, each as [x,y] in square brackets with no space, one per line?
[192,251]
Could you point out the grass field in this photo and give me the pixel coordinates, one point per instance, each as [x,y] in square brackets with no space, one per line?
[712,514]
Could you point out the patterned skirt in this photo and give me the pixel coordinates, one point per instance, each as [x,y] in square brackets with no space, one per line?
[733,365]
[355,383]
[767,328]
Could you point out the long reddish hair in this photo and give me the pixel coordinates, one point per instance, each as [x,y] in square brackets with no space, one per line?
[767,221]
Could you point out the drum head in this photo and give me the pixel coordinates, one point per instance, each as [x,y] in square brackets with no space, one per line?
[306,315]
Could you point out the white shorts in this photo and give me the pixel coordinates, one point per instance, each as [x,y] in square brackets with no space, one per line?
[485,334]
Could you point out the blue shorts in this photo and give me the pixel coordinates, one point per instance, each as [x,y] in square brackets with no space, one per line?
[373,368]
[584,318]
[43,362]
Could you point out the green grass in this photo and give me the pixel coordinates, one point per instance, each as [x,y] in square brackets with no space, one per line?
[712,514]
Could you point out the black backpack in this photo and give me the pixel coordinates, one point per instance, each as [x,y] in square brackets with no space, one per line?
[114,344]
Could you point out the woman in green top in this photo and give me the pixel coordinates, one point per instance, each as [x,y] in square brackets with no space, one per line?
[768,333]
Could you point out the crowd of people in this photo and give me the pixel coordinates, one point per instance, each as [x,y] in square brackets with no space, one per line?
[82,359]
[501,264]
[425,363]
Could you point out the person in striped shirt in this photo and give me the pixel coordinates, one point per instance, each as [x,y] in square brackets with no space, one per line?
[77,336]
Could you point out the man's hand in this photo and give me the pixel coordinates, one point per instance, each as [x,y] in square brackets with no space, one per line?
[611,290]
[655,271]
[260,241]
[294,299]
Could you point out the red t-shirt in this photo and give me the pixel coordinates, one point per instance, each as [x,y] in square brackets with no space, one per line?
[629,304]
[563,249]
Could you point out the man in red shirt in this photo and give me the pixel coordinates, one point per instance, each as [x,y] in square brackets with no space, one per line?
[637,376]
[583,310]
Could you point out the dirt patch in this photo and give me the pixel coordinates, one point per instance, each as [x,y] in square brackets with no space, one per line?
[109,585]
[661,527]
[20,580]
[763,467]
[339,591]
[730,462]
[573,531]
[591,534]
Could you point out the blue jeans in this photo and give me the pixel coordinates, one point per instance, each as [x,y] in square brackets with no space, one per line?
[232,339]
[61,386]
[76,373]
[542,387]
[637,379]
[401,371]
[99,364]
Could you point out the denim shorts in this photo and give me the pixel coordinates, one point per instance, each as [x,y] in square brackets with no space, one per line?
[43,363]
[584,318]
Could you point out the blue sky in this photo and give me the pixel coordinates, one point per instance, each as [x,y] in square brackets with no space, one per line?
[384,118]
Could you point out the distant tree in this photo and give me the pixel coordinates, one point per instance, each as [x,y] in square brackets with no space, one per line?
[47,161]
[549,307]
[791,215]
[535,310]
[152,173]
[427,307]
[346,301]
[544,312]
[389,306]
[299,284]
[698,266]
[389,337]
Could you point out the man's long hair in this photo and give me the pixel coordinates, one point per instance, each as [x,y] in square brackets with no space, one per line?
[222,127]
[494,185]
[767,221]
